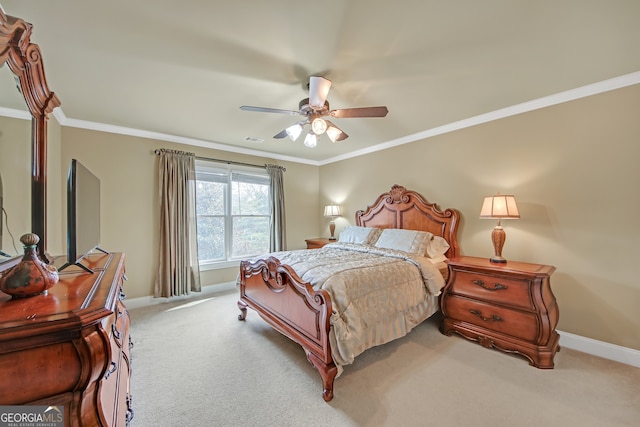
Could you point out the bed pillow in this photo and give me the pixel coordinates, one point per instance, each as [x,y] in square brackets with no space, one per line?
[411,241]
[437,260]
[437,247]
[359,235]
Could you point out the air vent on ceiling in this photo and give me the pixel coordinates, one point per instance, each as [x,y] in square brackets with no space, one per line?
[253,139]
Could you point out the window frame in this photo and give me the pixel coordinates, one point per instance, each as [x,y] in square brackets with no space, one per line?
[229,169]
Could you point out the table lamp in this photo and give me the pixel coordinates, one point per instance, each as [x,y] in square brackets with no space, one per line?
[332,211]
[499,207]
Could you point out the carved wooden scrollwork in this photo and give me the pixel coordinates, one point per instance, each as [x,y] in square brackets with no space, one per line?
[397,194]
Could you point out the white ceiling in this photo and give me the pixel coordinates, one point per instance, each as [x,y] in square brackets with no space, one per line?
[183,68]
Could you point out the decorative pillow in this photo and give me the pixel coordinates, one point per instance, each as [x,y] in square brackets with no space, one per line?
[437,247]
[360,235]
[411,241]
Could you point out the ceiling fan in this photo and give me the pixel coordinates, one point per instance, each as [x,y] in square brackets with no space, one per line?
[314,109]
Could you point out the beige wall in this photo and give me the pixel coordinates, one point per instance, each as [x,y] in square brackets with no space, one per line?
[128,172]
[573,169]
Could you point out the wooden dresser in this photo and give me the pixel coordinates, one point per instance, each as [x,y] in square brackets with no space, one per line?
[508,306]
[71,347]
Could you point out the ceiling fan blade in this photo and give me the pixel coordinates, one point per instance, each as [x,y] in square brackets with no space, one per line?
[318,91]
[282,134]
[359,112]
[269,110]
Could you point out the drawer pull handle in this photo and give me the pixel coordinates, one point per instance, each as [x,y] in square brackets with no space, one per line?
[496,286]
[129,415]
[111,370]
[493,318]
[116,332]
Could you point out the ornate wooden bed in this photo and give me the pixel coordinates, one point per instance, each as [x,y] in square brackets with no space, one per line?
[291,305]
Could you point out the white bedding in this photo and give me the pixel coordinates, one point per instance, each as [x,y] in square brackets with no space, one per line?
[378,294]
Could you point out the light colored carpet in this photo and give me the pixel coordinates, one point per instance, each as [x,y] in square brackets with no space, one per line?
[195,364]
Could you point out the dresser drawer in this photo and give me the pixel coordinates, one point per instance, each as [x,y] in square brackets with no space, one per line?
[494,288]
[121,325]
[515,323]
[108,387]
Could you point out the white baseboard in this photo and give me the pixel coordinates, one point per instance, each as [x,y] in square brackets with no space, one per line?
[617,353]
[602,349]
[206,290]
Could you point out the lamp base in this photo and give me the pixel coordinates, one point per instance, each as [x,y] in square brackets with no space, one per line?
[332,229]
[498,236]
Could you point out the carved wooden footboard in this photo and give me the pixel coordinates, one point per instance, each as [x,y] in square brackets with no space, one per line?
[292,307]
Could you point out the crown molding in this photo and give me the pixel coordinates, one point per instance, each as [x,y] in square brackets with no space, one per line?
[536,104]
[15,114]
[84,124]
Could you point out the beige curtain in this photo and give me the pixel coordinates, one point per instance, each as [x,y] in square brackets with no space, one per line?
[178,270]
[278,239]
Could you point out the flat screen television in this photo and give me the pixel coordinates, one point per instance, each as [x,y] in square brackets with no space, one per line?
[83,215]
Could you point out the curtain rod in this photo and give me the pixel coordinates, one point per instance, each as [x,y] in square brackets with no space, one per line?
[229,162]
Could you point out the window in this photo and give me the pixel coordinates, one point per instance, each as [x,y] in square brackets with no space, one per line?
[233,215]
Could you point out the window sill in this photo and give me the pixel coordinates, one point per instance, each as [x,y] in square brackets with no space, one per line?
[219,265]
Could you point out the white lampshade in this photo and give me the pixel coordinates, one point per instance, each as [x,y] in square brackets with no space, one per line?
[499,207]
[333,133]
[294,131]
[310,140]
[331,211]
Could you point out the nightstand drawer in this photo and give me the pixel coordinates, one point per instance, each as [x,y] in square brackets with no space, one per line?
[317,243]
[514,323]
[515,292]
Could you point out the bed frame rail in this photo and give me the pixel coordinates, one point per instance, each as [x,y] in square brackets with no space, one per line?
[292,307]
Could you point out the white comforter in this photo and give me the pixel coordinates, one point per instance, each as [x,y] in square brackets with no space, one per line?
[378,294]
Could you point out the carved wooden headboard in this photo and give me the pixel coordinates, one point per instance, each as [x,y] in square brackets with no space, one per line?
[402,208]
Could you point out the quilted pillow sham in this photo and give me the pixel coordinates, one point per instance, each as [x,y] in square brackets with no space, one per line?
[410,241]
[416,242]
[359,235]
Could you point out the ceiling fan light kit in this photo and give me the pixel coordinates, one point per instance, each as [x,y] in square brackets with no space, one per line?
[314,109]
[311,140]
[334,133]
[318,126]
[294,131]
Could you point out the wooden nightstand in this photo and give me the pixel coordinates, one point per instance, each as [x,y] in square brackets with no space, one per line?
[318,242]
[509,307]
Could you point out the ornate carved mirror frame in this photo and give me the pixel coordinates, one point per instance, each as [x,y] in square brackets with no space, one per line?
[25,61]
